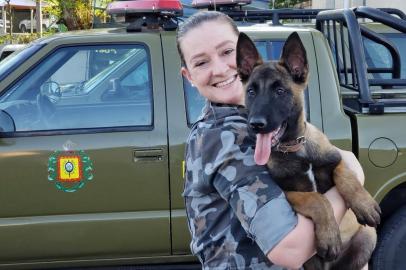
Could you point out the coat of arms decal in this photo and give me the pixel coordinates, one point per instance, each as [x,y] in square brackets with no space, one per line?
[70,170]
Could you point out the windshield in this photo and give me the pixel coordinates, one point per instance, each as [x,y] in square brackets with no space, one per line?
[9,64]
[90,84]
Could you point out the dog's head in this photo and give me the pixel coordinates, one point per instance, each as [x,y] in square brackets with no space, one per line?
[274,91]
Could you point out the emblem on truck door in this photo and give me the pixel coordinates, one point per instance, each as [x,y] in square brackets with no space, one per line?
[70,170]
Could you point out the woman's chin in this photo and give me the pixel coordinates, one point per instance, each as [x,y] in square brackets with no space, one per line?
[231,100]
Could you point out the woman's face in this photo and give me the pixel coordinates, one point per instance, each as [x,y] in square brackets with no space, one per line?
[209,51]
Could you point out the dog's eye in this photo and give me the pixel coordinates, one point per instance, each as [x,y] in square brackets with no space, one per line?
[280,91]
[250,92]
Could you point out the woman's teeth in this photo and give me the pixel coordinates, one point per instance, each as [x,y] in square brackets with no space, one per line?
[226,82]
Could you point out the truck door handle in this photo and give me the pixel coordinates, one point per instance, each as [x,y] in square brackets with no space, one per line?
[148,154]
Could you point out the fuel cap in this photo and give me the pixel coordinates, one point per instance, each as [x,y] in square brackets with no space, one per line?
[383,152]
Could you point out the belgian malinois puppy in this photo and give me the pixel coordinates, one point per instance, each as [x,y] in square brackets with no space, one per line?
[303,162]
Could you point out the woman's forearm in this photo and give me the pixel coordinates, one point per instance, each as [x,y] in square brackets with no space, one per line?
[299,245]
[352,163]
[337,202]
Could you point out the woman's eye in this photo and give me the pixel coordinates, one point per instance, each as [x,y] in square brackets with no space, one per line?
[228,51]
[250,92]
[280,91]
[199,64]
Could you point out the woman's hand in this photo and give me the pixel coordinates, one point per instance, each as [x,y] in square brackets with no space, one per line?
[353,164]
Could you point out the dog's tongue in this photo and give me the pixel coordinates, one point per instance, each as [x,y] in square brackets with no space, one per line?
[263,148]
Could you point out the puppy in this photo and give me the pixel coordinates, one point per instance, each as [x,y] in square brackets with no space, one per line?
[303,162]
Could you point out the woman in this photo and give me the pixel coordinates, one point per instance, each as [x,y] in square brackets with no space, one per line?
[238,217]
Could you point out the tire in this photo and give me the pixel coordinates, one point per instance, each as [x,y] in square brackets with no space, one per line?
[390,251]
[23,28]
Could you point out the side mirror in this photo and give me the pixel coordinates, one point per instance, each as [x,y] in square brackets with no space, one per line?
[6,122]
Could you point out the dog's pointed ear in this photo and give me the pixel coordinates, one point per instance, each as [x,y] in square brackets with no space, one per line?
[294,58]
[247,57]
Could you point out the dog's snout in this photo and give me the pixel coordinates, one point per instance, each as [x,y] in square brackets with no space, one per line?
[257,123]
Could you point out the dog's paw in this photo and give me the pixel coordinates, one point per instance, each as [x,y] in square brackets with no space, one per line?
[367,210]
[328,242]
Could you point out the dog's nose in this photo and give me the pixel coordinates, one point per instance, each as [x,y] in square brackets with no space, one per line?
[257,123]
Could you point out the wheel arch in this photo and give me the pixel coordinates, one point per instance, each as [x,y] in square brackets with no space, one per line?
[393,200]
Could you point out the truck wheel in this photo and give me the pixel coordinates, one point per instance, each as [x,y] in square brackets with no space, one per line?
[23,29]
[390,251]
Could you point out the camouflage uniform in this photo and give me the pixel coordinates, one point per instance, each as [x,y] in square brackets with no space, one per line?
[236,213]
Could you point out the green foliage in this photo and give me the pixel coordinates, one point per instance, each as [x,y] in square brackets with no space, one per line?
[286,3]
[22,38]
[52,8]
[76,14]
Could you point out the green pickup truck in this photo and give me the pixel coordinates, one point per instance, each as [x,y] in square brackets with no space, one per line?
[92,133]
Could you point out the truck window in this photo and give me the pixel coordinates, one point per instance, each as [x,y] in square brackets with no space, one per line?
[400,41]
[68,90]
[378,56]
[269,50]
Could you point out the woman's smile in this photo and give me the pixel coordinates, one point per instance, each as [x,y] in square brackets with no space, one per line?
[225,83]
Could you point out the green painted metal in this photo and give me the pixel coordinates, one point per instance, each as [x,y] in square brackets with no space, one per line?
[122,213]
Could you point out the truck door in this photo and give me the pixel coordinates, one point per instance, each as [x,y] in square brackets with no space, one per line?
[84,175]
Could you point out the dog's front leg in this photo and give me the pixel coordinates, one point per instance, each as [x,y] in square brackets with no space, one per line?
[315,206]
[365,208]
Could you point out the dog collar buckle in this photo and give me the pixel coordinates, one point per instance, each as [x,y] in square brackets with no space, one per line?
[301,140]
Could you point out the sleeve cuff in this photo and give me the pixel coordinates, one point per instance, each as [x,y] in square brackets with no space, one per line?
[272,223]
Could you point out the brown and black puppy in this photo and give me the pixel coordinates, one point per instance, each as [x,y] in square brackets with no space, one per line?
[303,162]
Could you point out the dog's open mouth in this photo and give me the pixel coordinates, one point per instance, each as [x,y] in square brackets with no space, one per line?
[265,142]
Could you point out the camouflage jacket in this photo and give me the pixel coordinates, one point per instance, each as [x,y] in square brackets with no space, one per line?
[236,212]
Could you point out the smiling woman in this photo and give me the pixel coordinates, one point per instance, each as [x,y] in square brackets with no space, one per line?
[228,198]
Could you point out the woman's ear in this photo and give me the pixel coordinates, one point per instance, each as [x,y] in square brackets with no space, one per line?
[185,73]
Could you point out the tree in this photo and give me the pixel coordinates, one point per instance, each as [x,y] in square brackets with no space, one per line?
[286,3]
[75,14]
[38,9]
[9,15]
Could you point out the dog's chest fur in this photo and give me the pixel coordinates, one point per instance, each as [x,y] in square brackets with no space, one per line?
[302,171]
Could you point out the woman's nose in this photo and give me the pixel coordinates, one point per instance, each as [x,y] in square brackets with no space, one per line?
[220,66]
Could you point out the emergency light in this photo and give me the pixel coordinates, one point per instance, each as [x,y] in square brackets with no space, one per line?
[150,14]
[165,7]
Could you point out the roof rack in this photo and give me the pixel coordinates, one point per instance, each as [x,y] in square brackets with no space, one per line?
[395,11]
[350,61]
[273,14]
